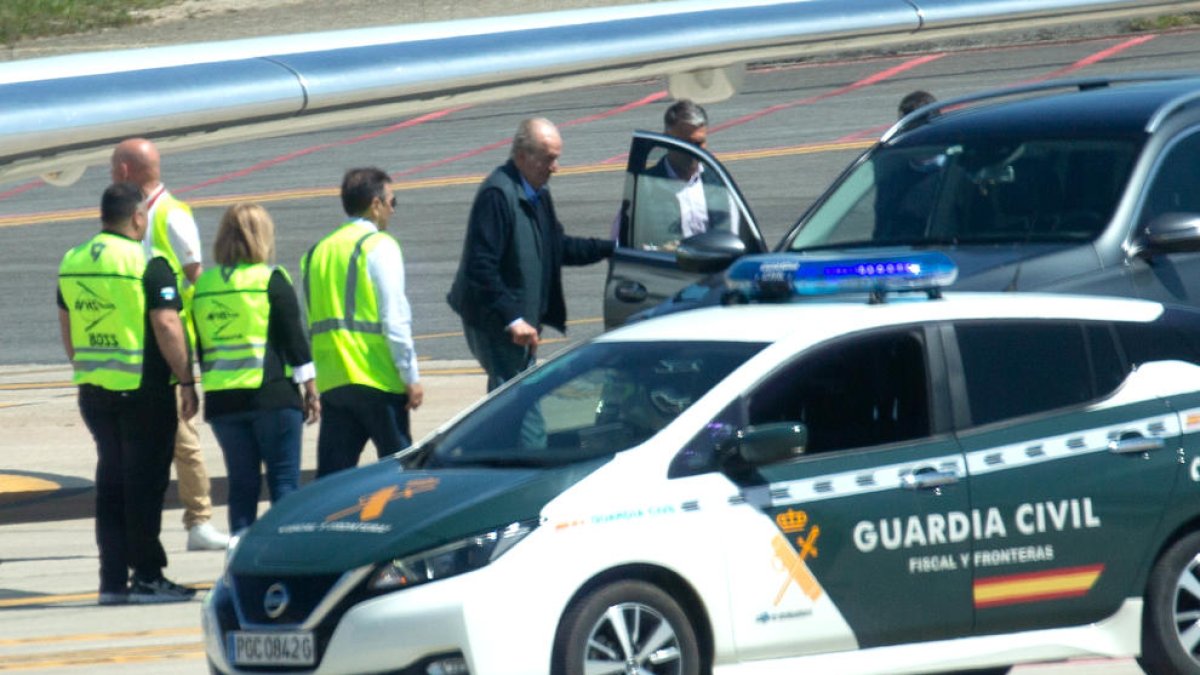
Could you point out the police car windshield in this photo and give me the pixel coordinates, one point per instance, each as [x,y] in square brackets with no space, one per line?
[979,192]
[593,401]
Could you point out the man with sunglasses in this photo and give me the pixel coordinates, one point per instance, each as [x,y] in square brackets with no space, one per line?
[361,327]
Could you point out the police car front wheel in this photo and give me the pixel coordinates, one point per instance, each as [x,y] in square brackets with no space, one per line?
[629,626]
[1171,623]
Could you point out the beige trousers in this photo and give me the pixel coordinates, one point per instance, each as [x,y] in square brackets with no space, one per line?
[194,486]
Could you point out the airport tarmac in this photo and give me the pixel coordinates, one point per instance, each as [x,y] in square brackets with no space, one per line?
[47,462]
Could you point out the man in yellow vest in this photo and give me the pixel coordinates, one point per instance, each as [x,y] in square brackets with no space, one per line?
[361,328]
[119,322]
[173,232]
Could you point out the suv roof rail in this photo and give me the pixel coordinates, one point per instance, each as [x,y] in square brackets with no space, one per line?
[923,115]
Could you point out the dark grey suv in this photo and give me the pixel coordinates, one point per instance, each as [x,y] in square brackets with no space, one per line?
[1084,186]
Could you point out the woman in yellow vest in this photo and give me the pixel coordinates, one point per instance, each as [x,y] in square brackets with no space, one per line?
[253,353]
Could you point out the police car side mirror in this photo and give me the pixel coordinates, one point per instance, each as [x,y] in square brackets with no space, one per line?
[1171,233]
[709,252]
[770,443]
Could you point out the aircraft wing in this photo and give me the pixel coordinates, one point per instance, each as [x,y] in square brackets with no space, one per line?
[62,114]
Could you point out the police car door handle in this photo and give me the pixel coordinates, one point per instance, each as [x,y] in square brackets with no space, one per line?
[926,478]
[631,291]
[1133,444]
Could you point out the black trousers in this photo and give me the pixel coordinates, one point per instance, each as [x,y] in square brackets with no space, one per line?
[353,414]
[135,441]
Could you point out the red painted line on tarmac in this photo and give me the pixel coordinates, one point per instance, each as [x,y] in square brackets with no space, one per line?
[20,189]
[451,159]
[416,121]
[1091,60]
[646,100]
[1086,61]
[632,105]
[865,82]
[771,110]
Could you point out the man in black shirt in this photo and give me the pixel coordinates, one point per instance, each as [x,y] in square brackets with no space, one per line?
[119,323]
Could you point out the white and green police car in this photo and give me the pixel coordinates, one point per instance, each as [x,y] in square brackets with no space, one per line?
[878,483]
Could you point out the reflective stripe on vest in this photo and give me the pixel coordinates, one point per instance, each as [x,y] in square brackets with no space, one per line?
[231,311]
[349,345]
[101,284]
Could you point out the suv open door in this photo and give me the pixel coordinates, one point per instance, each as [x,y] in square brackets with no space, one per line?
[658,248]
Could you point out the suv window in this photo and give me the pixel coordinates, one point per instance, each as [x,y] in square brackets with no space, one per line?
[1023,368]
[983,191]
[670,206]
[1175,187]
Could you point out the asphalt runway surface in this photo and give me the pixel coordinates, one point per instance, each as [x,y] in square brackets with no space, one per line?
[785,137]
[790,132]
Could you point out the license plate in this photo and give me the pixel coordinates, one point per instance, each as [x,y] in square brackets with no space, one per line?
[272,649]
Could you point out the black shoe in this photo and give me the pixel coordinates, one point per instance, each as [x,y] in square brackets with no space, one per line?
[142,592]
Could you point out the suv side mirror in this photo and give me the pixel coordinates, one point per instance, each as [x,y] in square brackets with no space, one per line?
[770,443]
[709,252]
[1172,233]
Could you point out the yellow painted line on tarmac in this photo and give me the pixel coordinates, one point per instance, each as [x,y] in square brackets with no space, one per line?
[46,600]
[21,386]
[73,597]
[13,483]
[29,386]
[70,215]
[98,637]
[106,655]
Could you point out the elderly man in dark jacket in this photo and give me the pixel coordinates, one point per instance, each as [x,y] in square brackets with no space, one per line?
[509,281]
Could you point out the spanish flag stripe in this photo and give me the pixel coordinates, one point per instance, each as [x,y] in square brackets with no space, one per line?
[1017,600]
[1036,586]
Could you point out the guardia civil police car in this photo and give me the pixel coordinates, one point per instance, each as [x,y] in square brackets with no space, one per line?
[874,483]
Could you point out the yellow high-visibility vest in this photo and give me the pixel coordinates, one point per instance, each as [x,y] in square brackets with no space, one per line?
[101,283]
[231,311]
[348,338]
[160,239]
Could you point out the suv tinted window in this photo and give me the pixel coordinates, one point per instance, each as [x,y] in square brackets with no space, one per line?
[677,195]
[1022,368]
[1175,187]
[986,190]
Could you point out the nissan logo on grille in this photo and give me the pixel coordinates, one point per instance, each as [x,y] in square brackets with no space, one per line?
[275,600]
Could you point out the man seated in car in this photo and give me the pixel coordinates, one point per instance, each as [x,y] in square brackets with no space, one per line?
[676,199]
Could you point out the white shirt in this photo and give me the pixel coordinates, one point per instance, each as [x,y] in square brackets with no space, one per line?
[182,233]
[693,208]
[385,267]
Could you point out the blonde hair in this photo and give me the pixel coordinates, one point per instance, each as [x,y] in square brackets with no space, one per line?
[246,236]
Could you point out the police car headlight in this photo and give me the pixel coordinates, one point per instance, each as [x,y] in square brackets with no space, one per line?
[452,559]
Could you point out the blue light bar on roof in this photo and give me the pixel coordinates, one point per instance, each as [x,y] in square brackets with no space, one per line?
[780,275]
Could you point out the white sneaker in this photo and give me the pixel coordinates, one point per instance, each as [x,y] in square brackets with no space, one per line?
[205,537]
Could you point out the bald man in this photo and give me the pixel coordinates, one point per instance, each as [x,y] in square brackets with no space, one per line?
[173,232]
[509,281]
